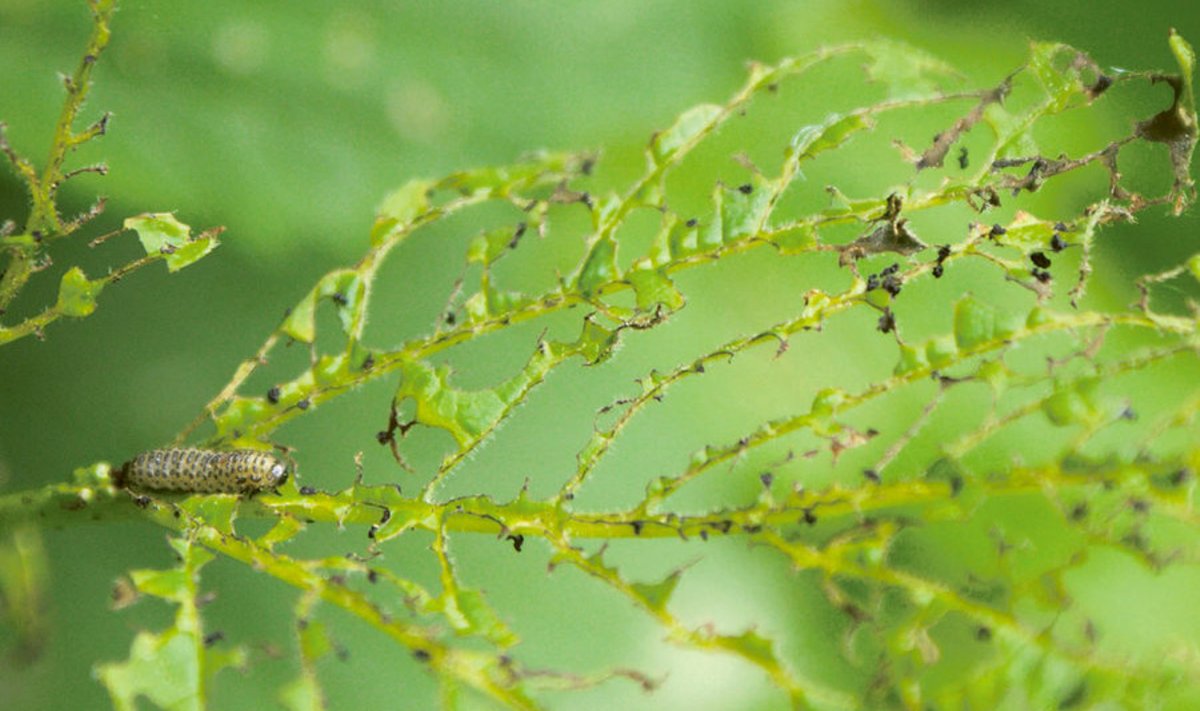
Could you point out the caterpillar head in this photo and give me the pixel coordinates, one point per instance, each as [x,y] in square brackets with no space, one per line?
[279,473]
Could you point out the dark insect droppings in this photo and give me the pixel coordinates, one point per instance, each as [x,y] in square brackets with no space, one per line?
[1102,83]
[887,322]
[1040,260]
[307,490]
[938,270]
[273,395]
[1056,243]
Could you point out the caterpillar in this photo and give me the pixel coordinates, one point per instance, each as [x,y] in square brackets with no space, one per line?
[241,471]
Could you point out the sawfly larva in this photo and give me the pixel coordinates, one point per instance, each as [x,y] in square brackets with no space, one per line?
[241,471]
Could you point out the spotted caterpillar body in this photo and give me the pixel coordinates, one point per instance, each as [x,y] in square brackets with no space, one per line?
[240,471]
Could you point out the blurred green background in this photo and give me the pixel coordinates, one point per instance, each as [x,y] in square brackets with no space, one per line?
[286,123]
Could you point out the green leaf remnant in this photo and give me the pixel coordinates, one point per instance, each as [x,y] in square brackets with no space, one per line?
[172,668]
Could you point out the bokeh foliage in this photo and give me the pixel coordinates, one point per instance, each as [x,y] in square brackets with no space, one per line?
[961,418]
